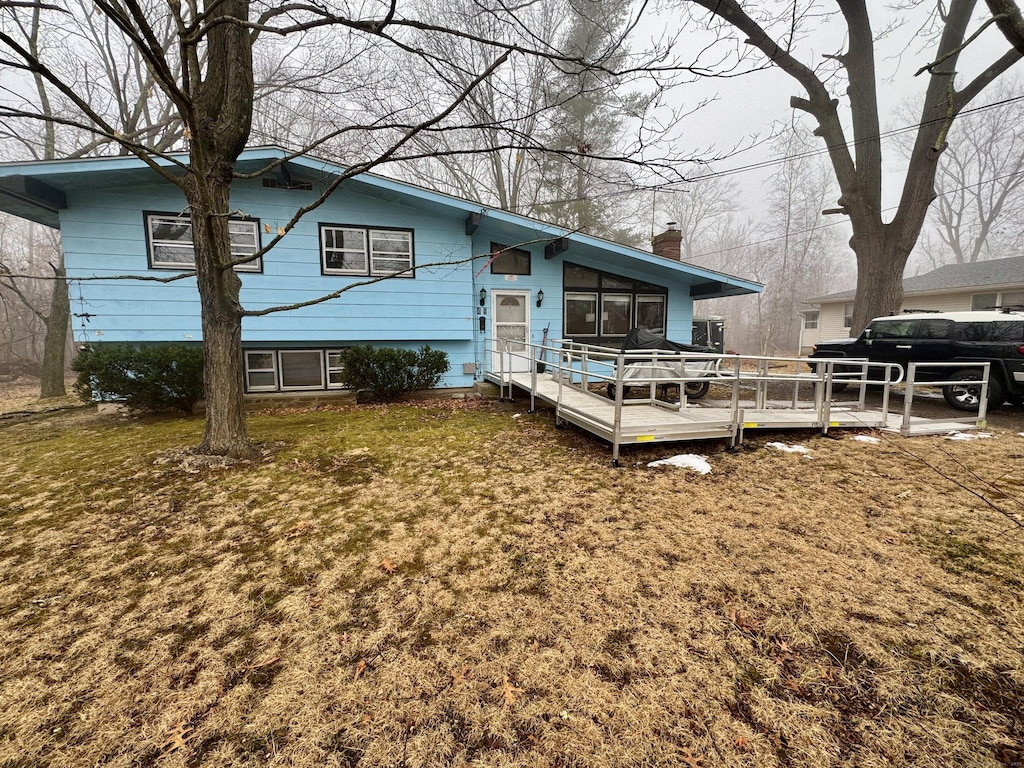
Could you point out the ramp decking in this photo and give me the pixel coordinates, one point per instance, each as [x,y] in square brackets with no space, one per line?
[568,384]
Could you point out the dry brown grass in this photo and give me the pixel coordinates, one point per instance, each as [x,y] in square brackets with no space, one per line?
[448,583]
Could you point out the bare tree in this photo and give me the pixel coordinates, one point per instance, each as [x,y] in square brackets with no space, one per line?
[881,248]
[699,209]
[980,182]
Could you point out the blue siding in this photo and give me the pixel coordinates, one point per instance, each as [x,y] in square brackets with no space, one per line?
[435,305]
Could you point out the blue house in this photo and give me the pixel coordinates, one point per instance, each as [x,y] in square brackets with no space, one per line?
[118,217]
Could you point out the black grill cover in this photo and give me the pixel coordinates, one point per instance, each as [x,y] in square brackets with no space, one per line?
[639,338]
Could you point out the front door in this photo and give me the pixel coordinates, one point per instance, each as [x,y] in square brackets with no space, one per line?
[510,323]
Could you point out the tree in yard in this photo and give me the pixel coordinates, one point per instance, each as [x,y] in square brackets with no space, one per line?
[591,112]
[208,76]
[881,247]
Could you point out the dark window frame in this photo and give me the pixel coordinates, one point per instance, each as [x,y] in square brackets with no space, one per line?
[252,267]
[509,252]
[609,284]
[369,253]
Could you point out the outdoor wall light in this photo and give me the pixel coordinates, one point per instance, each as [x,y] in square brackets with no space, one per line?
[483,296]
[540,298]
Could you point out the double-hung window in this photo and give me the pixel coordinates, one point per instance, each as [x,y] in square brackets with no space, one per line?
[171,246]
[346,250]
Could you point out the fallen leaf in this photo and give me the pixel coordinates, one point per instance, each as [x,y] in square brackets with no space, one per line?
[460,675]
[509,691]
[300,528]
[743,622]
[691,760]
[783,653]
[360,668]
[178,738]
[741,742]
[387,565]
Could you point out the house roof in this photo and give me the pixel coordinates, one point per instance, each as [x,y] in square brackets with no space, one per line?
[37,190]
[992,273]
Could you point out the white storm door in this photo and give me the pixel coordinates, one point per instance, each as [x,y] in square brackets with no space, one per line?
[510,330]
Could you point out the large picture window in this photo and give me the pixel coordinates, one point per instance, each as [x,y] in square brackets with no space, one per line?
[346,250]
[171,246]
[601,307]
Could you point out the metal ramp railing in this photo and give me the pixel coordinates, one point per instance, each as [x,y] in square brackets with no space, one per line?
[573,375]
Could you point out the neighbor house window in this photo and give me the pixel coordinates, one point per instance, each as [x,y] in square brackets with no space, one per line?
[602,307]
[847,315]
[509,261]
[343,251]
[810,320]
[997,300]
[363,251]
[171,246]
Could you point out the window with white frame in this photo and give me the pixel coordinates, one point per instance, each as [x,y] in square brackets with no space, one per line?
[260,371]
[810,320]
[301,368]
[348,250]
[334,368]
[343,251]
[169,237]
[650,314]
[997,300]
[273,370]
[847,315]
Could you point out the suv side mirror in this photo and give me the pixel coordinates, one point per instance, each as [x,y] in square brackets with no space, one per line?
[866,334]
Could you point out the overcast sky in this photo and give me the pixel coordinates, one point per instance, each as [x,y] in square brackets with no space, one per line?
[749,106]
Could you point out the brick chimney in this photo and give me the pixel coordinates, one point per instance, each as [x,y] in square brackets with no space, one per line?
[668,244]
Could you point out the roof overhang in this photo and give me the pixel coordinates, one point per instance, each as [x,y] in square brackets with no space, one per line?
[37,190]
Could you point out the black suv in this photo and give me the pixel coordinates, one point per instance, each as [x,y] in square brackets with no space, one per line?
[968,337]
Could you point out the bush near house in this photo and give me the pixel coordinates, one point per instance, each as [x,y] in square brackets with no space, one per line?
[148,378]
[388,373]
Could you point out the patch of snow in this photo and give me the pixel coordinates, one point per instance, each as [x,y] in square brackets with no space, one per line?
[865,439]
[967,435]
[789,448]
[685,460]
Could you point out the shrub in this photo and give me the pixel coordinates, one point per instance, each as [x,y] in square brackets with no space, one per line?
[150,378]
[387,373]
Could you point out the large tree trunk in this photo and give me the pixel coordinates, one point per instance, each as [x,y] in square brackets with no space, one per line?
[879,281]
[219,287]
[220,124]
[51,379]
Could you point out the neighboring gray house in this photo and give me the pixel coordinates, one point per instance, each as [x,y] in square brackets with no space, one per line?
[952,288]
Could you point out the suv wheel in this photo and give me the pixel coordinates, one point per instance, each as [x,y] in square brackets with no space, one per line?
[965,397]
